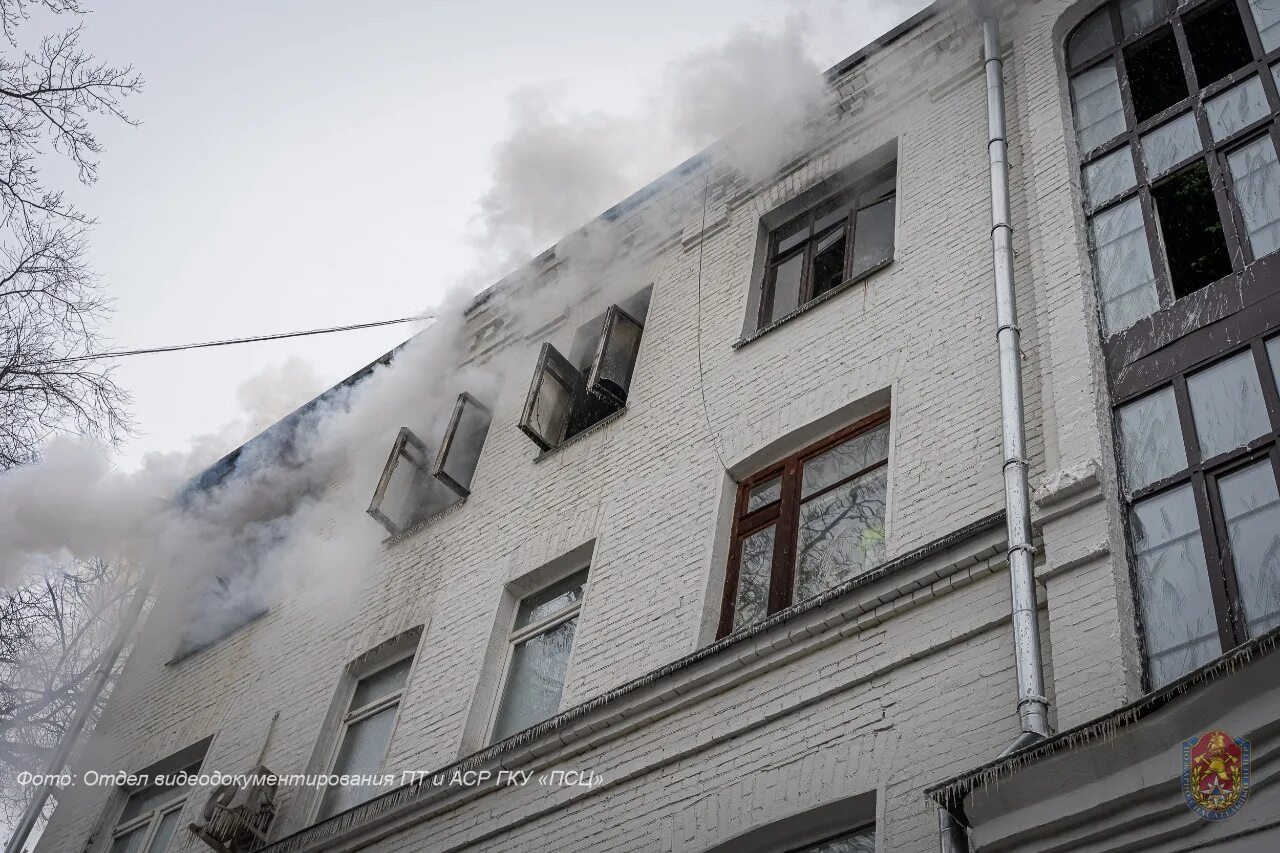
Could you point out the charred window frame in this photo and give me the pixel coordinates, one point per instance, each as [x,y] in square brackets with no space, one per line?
[417,483]
[1172,104]
[782,520]
[568,396]
[1199,452]
[838,241]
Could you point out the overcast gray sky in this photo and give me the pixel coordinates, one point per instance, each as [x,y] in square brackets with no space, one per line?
[318,163]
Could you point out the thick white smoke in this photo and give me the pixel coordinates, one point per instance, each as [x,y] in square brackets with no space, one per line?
[293,508]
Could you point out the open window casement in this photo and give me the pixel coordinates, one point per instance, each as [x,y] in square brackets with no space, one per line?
[455,464]
[399,497]
[556,386]
[615,359]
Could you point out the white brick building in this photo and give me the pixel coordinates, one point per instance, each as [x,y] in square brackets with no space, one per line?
[835,713]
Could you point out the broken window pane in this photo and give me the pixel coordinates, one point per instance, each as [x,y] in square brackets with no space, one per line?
[841,534]
[873,236]
[1266,13]
[1099,114]
[1091,38]
[1110,176]
[828,261]
[1173,585]
[1137,15]
[455,464]
[764,494]
[1255,173]
[1191,229]
[786,287]
[754,568]
[615,359]
[1122,260]
[556,385]
[1251,505]
[1227,405]
[1156,81]
[1170,144]
[1217,42]
[1236,108]
[1151,440]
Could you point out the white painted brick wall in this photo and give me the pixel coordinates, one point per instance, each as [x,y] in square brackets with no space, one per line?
[649,489]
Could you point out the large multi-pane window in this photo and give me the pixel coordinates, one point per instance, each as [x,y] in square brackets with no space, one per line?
[366,735]
[1200,466]
[539,645]
[1176,109]
[808,523]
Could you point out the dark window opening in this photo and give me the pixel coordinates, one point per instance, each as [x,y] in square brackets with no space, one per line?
[837,241]
[570,395]
[1191,230]
[1156,80]
[1218,43]
[419,481]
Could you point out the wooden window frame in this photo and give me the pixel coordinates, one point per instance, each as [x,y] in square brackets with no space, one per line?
[1213,153]
[851,202]
[785,513]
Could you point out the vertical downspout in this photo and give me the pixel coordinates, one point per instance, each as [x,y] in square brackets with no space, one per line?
[106,663]
[1033,707]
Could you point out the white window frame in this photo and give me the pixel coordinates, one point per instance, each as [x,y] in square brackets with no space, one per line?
[355,715]
[517,636]
[150,820]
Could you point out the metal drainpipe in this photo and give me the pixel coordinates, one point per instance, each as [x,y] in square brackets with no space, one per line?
[1033,707]
[106,663]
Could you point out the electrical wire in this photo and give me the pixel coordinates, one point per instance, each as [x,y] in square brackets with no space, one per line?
[702,377]
[227,342]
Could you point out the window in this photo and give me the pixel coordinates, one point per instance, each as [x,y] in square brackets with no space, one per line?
[570,395]
[365,735]
[808,523]
[539,645]
[1176,108]
[151,814]
[842,239]
[861,841]
[1200,465]
[418,482]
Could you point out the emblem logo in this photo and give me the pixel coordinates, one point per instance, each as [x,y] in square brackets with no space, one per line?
[1215,774]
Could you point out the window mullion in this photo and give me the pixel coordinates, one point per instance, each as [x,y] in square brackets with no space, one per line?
[784,546]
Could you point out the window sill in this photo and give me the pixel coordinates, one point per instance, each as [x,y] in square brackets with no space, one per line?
[423,523]
[831,294]
[591,430]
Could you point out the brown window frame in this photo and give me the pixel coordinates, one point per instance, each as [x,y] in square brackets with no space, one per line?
[785,513]
[851,202]
[1213,153]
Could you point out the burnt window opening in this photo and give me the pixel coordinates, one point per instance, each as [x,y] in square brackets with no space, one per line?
[1156,79]
[570,395]
[840,240]
[1175,109]
[1191,230]
[1218,42]
[418,481]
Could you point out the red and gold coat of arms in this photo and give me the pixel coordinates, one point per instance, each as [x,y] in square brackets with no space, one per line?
[1215,774]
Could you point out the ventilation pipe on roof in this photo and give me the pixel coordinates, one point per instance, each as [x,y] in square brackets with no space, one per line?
[1033,707]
